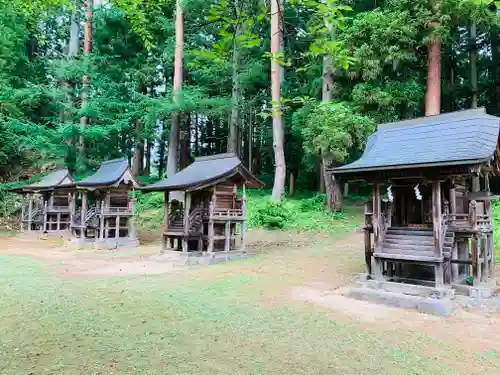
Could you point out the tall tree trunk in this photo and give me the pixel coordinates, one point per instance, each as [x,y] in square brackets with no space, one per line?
[473,65]
[278,133]
[173,142]
[433,91]
[161,151]
[185,141]
[147,166]
[87,49]
[74,34]
[232,141]
[138,155]
[250,140]
[495,67]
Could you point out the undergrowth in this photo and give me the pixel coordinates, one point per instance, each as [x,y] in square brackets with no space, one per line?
[496,228]
[303,212]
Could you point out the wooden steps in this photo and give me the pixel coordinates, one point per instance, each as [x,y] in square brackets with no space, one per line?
[413,244]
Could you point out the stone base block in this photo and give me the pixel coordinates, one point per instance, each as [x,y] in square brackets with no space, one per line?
[435,306]
[179,258]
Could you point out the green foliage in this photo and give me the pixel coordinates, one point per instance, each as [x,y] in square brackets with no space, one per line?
[496,233]
[270,215]
[333,129]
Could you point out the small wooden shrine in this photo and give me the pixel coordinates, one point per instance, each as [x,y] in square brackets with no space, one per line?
[102,210]
[211,217]
[429,221]
[46,206]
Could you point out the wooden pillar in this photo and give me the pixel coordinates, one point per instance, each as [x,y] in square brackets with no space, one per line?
[463,254]
[117,226]
[436,219]
[84,211]
[438,238]
[210,247]
[131,220]
[485,267]
[476,269]
[476,184]
[102,218]
[72,206]
[243,223]
[376,220]
[453,203]
[454,267]
[187,208]
[165,221]
[58,225]
[23,209]
[45,210]
[30,212]
[227,235]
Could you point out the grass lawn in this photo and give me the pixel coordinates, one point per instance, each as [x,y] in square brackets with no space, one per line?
[232,318]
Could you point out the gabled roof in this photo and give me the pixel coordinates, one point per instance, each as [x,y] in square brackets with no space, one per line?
[457,138]
[111,172]
[206,171]
[60,178]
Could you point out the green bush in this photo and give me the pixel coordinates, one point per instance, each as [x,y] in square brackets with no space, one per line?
[271,215]
[496,228]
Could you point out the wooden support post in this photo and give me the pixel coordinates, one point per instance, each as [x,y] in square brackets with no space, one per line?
[454,267]
[131,220]
[30,212]
[376,222]
[102,219]
[23,213]
[58,225]
[84,211]
[165,212]
[117,226]
[439,274]
[476,184]
[210,247]
[227,235]
[485,267]
[368,253]
[453,202]
[187,208]
[476,269]
[243,223]
[45,210]
[436,219]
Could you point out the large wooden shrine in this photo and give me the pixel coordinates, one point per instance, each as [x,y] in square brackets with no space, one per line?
[429,221]
[102,210]
[46,204]
[211,216]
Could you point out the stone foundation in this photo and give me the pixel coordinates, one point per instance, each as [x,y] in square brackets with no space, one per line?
[431,300]
[180,258]
[107,244]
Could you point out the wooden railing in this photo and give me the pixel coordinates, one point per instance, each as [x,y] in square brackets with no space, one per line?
[471,221]
[117,210]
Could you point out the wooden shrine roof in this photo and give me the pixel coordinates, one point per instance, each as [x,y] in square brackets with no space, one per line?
[110,173]
[60,178]
[207,171]
[456,138]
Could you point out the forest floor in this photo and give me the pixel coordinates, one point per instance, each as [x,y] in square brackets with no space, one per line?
[65,311]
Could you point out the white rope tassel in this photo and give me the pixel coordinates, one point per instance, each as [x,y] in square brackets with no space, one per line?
[417,193]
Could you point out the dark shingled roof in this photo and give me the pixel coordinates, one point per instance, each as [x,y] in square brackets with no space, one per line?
[204,172]
[109,173]
[52,180]
[456,138]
